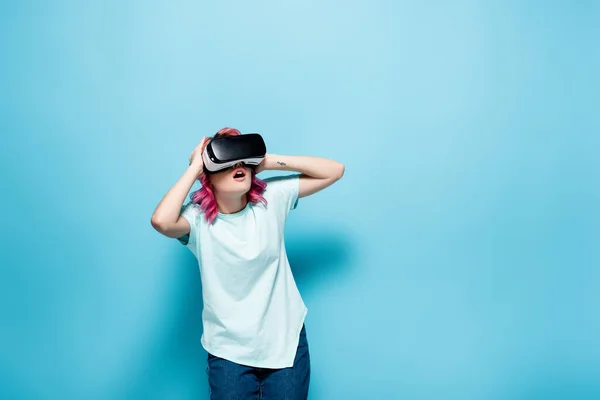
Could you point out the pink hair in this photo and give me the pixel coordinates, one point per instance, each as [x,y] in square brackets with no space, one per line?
[205,196]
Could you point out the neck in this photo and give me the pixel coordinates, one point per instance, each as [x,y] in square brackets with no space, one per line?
[231,205]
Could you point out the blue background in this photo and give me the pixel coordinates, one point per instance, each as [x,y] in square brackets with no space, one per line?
[457,259]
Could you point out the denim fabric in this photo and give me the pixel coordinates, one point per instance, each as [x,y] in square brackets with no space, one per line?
[230,381]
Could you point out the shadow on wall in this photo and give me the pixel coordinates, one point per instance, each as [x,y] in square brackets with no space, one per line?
[175,366]
[318,256]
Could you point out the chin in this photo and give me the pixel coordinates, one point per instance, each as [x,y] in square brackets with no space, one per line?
[238,189]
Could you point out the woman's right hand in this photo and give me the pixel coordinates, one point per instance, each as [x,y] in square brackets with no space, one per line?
[196,156]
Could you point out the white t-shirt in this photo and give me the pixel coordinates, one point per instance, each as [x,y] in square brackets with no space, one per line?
[253,312]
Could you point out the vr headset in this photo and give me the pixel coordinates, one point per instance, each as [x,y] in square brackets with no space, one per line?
[224,152]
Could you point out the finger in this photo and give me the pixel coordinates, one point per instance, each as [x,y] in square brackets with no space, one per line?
[203,144]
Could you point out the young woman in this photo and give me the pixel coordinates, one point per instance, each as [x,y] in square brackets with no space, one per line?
[253,314]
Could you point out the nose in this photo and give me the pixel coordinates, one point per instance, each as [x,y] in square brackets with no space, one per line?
[238,165]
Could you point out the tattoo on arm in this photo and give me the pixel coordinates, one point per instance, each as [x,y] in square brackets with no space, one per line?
[281,163]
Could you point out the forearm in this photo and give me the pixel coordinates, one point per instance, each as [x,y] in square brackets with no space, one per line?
[315,167]
[169,208]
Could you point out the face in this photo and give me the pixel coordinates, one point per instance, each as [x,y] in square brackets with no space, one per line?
[234,181]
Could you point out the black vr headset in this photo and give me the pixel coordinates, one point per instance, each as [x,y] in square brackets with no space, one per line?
[224,152]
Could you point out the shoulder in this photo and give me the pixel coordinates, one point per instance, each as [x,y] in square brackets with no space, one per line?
[191,211]
[282,191]
[281,184]
[191,208]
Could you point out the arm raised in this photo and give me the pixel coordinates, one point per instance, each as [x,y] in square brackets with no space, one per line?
[316,173]
[166,218]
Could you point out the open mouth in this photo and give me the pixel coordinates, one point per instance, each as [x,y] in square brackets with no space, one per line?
[239,175]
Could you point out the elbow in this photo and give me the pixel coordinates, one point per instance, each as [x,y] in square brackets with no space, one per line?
[157,224]
[340,171]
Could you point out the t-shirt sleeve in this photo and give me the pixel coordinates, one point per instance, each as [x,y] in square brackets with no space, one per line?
[282,193]
[191,213]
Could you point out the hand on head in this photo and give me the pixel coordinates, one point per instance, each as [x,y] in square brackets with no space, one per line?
[196,156]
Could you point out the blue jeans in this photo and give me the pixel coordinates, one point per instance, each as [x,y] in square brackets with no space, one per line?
[230,381]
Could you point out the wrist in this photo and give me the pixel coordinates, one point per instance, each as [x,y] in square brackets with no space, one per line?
[275,162]
[196,170]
